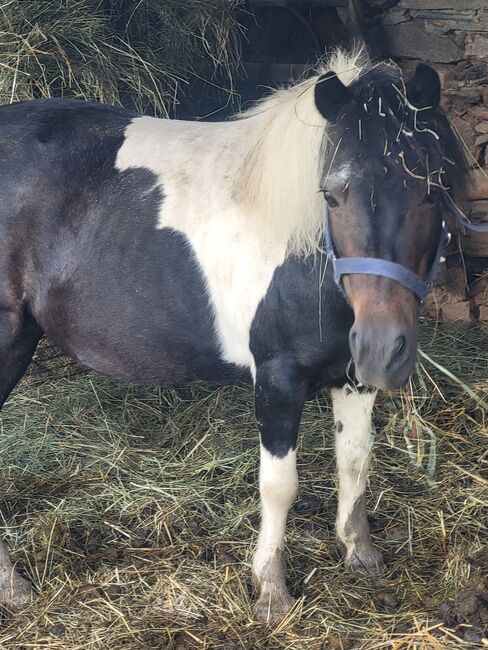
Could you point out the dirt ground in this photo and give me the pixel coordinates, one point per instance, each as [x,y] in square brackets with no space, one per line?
[134,512]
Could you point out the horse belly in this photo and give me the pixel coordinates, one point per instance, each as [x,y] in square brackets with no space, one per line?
[138,313]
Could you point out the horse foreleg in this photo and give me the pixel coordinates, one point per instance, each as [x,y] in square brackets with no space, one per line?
[18,341]
[353,441]
[279,403]
[278,485]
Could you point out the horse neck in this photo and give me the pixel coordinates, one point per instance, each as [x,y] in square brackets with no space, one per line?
[278,179]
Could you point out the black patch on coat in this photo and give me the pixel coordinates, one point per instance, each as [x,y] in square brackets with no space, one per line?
[303,316]
[299,339]
[110,288]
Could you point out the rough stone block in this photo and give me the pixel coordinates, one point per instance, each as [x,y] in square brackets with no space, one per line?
[482,127]
[468,71]
[481,140]
[476,45]
[479,114]
[447,19]
[479,292]
[478,185]
[483,315]
[464,94]
[410,40]
[465,131]
[476,243]
[443,20]
[460,312]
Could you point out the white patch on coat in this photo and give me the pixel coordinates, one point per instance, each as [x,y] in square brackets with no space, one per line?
[278,486]
[244,193]
[354,441]
[194,162]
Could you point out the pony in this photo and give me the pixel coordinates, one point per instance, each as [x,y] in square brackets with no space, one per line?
[291,246]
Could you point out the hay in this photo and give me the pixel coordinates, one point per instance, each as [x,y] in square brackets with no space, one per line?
[138,54]
[134,511]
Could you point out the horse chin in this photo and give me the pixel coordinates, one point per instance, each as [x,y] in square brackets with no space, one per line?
[383,351]
[382,381]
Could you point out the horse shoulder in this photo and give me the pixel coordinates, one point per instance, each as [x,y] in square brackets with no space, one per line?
[193,165]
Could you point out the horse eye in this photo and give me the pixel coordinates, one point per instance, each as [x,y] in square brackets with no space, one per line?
[331,202]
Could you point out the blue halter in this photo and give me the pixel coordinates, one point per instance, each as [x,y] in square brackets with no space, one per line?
[377,266]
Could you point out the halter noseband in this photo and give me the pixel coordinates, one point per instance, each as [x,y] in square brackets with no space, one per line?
[377,266]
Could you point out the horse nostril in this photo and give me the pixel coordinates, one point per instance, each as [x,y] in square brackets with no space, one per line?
[353,340]
[399,351]
[358,345]
[400,344]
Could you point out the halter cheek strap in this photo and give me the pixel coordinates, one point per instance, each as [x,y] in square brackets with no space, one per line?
[377,266]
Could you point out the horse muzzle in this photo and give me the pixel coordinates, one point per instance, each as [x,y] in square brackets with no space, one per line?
[384,354]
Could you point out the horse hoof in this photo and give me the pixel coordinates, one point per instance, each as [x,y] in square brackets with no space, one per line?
[15,591]
[272,608]
[366,562]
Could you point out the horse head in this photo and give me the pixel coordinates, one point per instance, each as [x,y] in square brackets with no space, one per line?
[391,164]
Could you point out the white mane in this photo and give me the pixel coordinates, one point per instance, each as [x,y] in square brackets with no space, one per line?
[279,179]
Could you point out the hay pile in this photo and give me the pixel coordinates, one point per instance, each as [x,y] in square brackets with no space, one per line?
[138,54]
[134,512]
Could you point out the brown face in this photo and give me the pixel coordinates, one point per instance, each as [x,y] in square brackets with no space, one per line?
[383,180]
[368,220]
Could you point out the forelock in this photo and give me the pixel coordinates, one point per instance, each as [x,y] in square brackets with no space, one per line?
[380,126]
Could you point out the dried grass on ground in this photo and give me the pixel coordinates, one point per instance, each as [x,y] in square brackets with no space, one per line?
[134,512]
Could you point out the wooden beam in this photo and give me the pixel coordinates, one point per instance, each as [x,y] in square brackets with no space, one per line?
[357,30]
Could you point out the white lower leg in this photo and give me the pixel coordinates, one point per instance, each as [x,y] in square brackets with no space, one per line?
[354,441]
[278,484]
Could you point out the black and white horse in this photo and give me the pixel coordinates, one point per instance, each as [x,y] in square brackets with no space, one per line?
[167,251]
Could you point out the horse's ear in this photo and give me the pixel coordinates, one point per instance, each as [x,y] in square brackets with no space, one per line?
[424,88]
[331,95]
